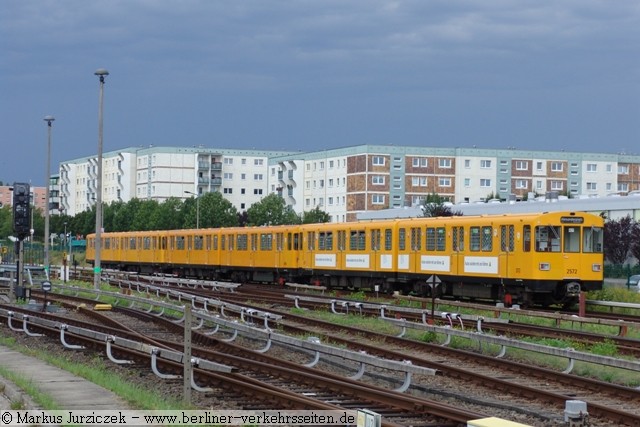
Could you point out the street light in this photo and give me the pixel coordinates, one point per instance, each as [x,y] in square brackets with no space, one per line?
[101,73]
[49,120]
[197,207]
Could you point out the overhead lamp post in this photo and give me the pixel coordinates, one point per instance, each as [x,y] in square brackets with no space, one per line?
[49,120]
[101,73]
[197,207]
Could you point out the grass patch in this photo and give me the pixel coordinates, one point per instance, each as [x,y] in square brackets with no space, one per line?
[95,371]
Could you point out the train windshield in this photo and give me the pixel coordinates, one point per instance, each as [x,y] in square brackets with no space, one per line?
[548,238]
[592,239]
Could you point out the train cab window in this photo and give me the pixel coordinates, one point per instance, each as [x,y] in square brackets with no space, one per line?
[388,239]
[526,238]
[487,239]
[571,239]
[548,238]
[180,242]
[198,243]
[402,239]
[357,240]
[474,243]
[592,238]
[375,240]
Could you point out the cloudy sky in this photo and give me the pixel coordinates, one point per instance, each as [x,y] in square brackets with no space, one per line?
[309,75]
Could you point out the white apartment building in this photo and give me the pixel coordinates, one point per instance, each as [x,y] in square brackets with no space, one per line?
[345,181]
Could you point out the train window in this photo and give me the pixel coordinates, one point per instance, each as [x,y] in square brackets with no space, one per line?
[454,239]
[342,240]
[507,239]
[592,239]
[311,240]
[296,242]
[266,242]
[375,240]
[107,243]
[475,239]
[402,239]
[289,241]
[547,238]
[223,242]
[388,242]
[154,243]
[487,239]
[325,241]
[254,242]
[180,242]
[279,241]
[357,240]
[163,243]
[440,239]
[198,243]
[132,243]
[571,239]
[416,239]
[215,243]
[431,239]
[526,239]
[146,243]
[241,242]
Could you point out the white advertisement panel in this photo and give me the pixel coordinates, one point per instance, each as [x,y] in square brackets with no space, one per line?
[435,263]
[357,261]
[403,262]
[481,264]
[325,260]
[386,261]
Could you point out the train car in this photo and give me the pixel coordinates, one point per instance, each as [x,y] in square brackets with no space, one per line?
[540,258]
[543,258]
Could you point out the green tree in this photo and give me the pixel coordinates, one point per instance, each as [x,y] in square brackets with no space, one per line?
[435,205]
[271,210]
[315,216]
[216,211]
[617,239]
[168,215]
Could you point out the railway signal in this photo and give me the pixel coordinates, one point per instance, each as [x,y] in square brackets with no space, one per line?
[21,210]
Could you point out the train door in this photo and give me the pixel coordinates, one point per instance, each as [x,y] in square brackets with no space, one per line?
[506,261]
[571,238]
[458,247]
[374,241]
[415,246]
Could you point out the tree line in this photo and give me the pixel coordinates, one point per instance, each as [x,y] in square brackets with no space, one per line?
[210,210]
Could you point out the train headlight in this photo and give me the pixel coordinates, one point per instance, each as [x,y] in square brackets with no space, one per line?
[544,266]
[596,267]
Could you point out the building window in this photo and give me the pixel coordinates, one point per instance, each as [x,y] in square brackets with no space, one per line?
[522,165]
[257,191]
[538,166]
[609,186]
[257,177]
[419,162]
[258,162]
[538,185]
[377,199]
[377,179]
[592,186]
[609,168]
[228,191]
[330,164]
[467,163]
[521,184]
[228,161]
[444,163]
[623,186]
[444,182]
[557,166]
[467,182]
[378,161]
[228,175]
[557,185]
[485,182]
[592,167]
[419,181]
[485,164]
[623,169]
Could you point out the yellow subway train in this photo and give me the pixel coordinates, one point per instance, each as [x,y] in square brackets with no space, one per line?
[533,258]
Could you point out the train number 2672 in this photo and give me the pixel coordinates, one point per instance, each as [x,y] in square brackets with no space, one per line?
[572,271]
